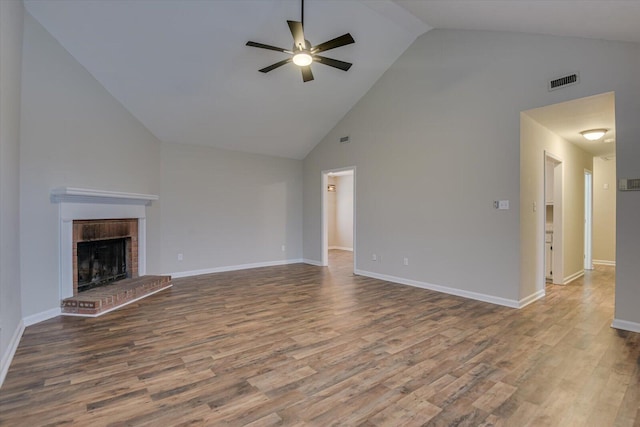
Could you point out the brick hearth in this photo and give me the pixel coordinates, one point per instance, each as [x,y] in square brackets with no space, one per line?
[100,300]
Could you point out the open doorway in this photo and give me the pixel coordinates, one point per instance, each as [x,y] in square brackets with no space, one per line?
[338,215]
[555,153]
[553,219]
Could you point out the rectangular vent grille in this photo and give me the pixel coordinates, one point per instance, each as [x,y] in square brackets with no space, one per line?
[345,140]
[629,184]
[565,81]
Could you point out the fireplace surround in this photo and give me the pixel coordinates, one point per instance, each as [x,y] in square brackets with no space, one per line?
[106,210]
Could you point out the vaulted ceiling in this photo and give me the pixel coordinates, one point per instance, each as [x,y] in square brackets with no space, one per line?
[181,67]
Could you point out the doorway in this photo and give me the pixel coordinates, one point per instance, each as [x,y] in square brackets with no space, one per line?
[338,212]
[553,237]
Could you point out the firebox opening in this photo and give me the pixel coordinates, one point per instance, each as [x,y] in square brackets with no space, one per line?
[101,262]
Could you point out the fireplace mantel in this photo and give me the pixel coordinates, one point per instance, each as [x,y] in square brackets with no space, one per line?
[87,195]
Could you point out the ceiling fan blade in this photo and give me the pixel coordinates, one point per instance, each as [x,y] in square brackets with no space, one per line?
[297,33]
[343,40]
[276,65]
[266,46]
[344,66]
[307,75]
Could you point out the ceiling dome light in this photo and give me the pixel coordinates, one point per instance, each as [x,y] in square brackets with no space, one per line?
[593,134]
[302,59]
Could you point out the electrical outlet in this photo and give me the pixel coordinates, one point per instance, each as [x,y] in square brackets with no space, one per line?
[180,257]
[374,257]
[406,261]
[283,248]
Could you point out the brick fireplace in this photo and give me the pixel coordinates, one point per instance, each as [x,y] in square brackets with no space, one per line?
[103,250]
[88,214]
[103,232]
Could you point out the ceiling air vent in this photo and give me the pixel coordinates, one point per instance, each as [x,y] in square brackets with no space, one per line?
[345,140]
[564,81]
[629,184]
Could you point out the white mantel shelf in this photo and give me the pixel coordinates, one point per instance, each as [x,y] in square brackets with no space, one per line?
[87,195]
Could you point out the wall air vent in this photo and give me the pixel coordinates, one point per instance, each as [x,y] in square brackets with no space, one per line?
[345,140]
[564,81]
[629,184]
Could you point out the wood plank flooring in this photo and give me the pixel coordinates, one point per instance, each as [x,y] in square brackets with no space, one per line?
[303,345]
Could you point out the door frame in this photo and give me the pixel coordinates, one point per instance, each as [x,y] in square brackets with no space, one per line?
[588,219]
[558,185]
[324,222]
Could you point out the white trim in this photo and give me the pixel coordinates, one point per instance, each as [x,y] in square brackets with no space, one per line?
[119,306]
[604,262]
[41,317]
[573,277]
[180,274]
[87,195]
[313,262]
[531,298]
[444,289]
[625,325]
[342,248]
[7,357]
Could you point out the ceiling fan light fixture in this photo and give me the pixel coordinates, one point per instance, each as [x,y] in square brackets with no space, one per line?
[593,134]
[302,59]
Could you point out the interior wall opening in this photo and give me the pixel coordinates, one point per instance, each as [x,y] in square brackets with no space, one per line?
[338,214]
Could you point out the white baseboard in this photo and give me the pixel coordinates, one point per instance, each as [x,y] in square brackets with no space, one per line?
[444,289]
[313,262]
[604,262]
[342,248]
[625,325]
[573,277]
[233,268]
[531,298]
[42,316]
[7,357]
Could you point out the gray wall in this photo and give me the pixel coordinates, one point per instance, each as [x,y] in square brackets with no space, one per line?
[73,133]
[604,210]
[11,19]
[224,208]
[217,207]
[436,141]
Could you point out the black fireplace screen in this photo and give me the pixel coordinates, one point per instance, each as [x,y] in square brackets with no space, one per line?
[101,262]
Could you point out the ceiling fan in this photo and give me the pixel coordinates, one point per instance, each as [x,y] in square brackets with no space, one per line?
[303,54]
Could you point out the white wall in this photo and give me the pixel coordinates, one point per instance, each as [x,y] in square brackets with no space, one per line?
[604,211]
[223,208]
[73,133]
[535,141]
[340,206]
[11,21]
[443,123]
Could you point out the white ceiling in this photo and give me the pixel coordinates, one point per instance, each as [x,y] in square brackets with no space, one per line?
[568,119]
[596,19]
[181,67]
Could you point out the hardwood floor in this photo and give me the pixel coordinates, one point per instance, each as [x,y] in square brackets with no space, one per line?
[304,345]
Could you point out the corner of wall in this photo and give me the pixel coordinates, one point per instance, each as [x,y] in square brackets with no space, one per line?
[7,357]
